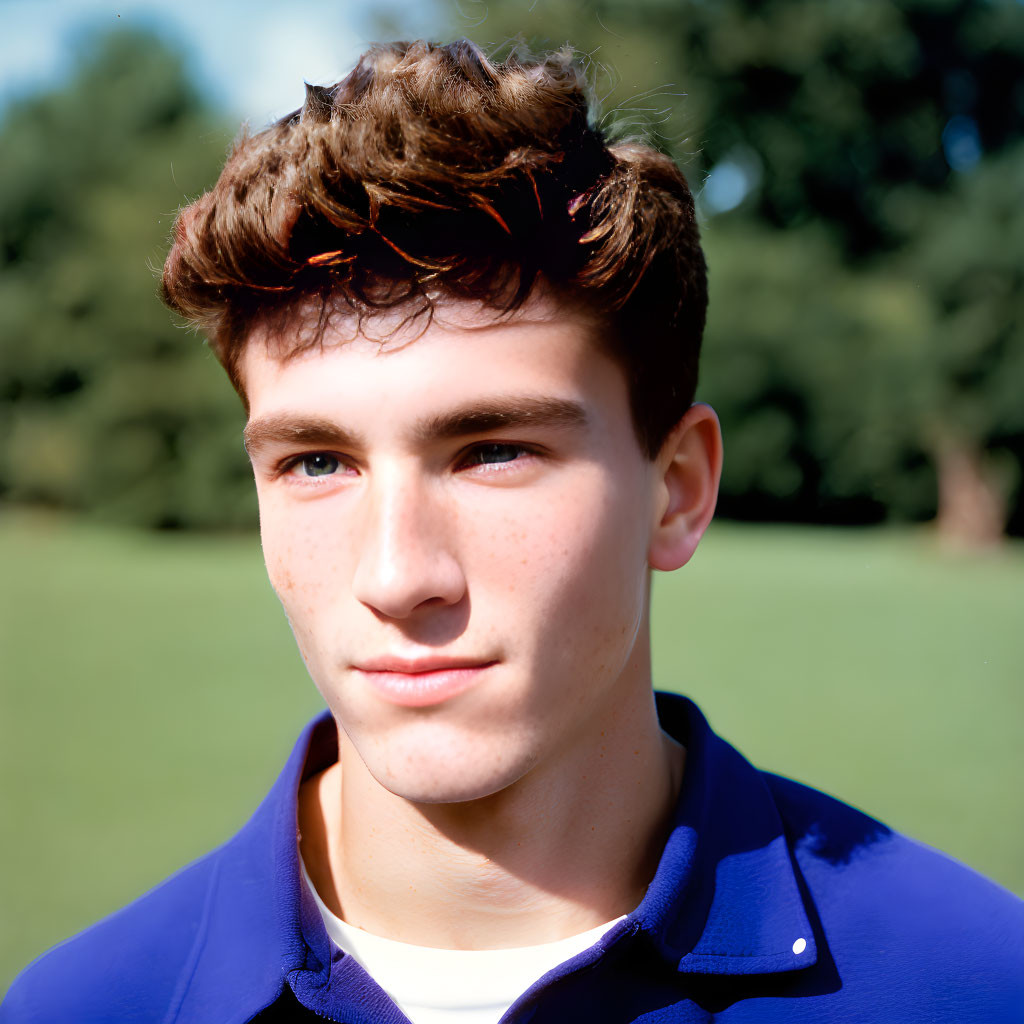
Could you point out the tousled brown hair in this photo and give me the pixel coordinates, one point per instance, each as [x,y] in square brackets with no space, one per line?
[431,170]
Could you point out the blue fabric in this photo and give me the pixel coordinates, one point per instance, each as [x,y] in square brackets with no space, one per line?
[771,902]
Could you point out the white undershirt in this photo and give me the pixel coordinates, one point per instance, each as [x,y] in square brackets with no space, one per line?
[451,986]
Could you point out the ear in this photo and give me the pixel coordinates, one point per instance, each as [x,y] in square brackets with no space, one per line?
[689,467]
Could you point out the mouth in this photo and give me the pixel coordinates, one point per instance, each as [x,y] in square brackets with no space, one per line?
[421,682]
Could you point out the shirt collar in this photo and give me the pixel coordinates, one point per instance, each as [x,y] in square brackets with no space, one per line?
[725,897]
[724,900]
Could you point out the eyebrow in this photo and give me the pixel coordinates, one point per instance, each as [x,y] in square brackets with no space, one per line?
[478,418]
[307,431]
[499,413]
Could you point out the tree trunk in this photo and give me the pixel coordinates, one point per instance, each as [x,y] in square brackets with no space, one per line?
[972,506]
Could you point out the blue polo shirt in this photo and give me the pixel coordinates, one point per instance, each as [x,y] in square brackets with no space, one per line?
[771,902]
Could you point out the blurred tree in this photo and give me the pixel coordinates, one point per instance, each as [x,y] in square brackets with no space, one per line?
[806,361]
[969,259]
[105,405]
[877,344]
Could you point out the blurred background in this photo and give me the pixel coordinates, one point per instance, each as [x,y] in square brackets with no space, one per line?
[854,616]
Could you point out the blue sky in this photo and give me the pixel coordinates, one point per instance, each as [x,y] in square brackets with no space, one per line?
[251,57]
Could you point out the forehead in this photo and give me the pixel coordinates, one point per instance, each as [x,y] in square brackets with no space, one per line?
[460,351]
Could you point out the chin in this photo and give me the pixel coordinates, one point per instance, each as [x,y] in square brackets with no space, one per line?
[450,776]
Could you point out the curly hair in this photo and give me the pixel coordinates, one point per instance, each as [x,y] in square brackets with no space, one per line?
[431,170]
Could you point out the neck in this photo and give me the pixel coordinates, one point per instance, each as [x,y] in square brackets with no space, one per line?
[566,848]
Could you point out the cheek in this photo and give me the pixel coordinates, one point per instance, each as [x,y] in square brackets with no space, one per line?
[575,569]
[302,559]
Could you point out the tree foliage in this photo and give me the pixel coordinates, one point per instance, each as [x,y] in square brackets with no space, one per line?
[105,404]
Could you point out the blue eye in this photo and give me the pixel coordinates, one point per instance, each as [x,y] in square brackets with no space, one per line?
[319,464]
[490,454]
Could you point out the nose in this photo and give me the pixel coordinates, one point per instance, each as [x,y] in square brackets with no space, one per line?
[405,558]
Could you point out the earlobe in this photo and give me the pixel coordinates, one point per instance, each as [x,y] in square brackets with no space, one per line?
[689,467]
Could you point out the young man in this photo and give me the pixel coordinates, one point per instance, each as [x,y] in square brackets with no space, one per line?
[466,333]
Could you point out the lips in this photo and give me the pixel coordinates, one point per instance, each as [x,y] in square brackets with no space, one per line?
[421,682]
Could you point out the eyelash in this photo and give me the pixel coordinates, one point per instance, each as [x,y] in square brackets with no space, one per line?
[286,467]
[462,461]
[491,467]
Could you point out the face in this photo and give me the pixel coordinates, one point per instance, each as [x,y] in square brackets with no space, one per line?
[458,529]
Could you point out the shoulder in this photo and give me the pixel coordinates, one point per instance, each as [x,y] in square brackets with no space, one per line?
[209,944]
[892,907]
[126,967]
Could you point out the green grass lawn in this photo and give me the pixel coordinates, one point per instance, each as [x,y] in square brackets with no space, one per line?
[151,691]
